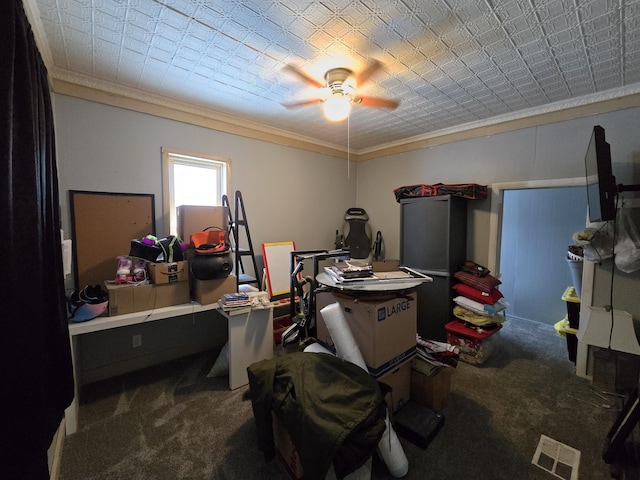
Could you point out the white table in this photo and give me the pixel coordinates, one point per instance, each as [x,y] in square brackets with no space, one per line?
[250,340]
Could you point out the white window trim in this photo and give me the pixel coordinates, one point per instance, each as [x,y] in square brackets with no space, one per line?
[168,159]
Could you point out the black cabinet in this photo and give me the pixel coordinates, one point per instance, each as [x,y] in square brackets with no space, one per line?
[433,240]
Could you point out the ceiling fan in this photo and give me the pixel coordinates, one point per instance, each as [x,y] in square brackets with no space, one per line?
[339,91]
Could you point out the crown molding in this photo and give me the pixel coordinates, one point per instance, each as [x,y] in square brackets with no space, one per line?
[603,102]
[81,86]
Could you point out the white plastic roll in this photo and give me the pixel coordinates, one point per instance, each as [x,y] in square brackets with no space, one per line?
[317,348]
[392,452]
[346,346]
[389,446]
[362,473]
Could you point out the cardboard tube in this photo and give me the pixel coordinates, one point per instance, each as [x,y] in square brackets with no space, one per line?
[389,446]
[391,451]
[317,348]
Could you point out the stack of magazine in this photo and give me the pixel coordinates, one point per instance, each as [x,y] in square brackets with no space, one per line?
[436,354]
[235,302]
[242,302]
[349,271]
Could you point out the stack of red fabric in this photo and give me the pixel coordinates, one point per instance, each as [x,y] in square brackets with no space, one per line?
[479,302]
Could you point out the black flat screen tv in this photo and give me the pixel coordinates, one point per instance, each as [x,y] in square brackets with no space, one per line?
[601,183]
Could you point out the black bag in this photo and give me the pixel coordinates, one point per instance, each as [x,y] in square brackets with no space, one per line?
[474,269]
[168,249]
[139,249]
[418,423]
[171,249]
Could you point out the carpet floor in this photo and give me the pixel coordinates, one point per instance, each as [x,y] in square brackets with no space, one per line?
[173,422]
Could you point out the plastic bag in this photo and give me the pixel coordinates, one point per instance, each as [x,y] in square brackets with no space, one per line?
[596,241]
[628,242]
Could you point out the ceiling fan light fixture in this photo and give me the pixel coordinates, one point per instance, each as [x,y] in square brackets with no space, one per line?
[340,90]
[337,108]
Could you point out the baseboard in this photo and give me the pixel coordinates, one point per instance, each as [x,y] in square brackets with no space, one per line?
[55,451]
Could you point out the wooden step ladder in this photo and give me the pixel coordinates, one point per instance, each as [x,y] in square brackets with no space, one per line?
[235,239]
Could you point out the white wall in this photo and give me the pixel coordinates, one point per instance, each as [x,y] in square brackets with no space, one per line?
[289,194]
[538,153]
[293,194]
[546,152]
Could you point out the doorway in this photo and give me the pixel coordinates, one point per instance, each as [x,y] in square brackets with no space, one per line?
[531,226]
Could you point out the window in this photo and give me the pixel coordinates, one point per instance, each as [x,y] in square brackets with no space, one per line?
[191,179]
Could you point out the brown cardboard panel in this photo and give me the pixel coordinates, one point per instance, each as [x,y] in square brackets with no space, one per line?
[171,294]
[431,390]
[210,291]
[385,265]
[399,379]
[196,218]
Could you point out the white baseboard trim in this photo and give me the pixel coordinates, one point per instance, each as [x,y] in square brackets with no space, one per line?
[55,451]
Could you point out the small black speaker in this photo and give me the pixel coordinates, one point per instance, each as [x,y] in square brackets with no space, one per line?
[418,423]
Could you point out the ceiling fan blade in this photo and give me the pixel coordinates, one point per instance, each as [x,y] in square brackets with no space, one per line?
[376,102]
[304,76]
[364,75]
[300,103]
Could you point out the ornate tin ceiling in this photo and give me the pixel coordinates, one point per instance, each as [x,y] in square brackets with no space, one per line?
[451,63]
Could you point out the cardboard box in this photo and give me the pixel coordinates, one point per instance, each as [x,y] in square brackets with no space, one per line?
[430,389]
[286,450]
[138,298]
[385,331]
[169,272]
[210,291]
[288,455]
[196,218]
[385,265]
[399,379]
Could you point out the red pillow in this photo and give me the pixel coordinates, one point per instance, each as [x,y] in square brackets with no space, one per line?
[477,295]
[484,284]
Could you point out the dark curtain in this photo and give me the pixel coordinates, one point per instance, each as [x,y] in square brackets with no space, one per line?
[36,380]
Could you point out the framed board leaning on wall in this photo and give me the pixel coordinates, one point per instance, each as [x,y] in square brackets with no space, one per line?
[103,225]
[277,263]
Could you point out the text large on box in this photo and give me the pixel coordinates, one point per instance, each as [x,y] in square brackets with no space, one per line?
[385,331]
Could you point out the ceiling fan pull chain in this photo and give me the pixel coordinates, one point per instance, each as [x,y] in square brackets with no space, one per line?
[348,147]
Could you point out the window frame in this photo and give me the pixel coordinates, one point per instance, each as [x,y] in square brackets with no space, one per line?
[172,156]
